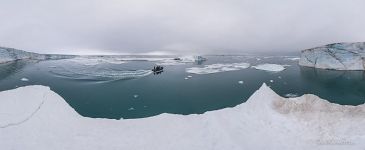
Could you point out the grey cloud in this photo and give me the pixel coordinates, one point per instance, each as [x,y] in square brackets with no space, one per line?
[178,26]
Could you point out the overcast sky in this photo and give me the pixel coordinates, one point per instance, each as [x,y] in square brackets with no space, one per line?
[178,26]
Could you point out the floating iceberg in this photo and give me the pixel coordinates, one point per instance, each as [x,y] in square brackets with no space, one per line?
[34,117]
[270,67]
[338,56]
[215,68]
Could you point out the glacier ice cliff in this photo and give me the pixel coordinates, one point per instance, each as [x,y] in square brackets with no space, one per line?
[11,54]
[34,117]
[337,56]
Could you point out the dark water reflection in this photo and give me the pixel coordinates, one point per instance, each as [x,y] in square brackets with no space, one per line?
[171,92]
[343,87]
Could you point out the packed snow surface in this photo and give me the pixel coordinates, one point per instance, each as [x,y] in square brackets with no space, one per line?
[270,67]
[216,68]
[34,117]
[338,56]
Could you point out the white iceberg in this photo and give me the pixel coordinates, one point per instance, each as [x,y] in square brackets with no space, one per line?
[34,117]
[270,67]
[338,56]
[216,68]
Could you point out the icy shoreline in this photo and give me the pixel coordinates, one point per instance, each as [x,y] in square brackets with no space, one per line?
[34,117]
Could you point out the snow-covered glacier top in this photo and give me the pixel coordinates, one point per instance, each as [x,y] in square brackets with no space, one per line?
[337,56]
[34,117]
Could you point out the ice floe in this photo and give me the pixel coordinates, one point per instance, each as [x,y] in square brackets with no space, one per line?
[34,117]
[240,82]
[270,67]
[293,58]
[216,68]
[24,79]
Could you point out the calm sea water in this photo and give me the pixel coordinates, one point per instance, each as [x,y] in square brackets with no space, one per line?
[101,95]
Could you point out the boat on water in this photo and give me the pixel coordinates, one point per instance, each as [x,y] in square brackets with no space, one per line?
[157,69]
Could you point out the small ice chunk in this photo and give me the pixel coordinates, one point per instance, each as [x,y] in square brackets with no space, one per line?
[271,81]
[240,82]
[135,95]
[270,67]
[291,95]
[131,108]
[24,79]
[186,78]
[294,58]
[279,77]
[190,76]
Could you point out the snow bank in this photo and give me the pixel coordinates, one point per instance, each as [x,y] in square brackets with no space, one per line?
[270,67]
[216,68]
[34,117]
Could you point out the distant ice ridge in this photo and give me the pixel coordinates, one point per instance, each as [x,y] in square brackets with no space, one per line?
[164,61]
[338,56]
[34,117]
[270,67]
[181,60]
[97,60]
[215,68]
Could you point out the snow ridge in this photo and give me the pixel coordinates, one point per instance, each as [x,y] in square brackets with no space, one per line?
[305,122]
